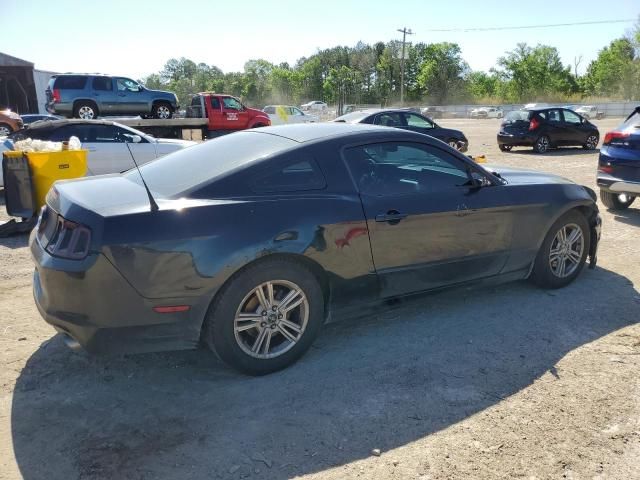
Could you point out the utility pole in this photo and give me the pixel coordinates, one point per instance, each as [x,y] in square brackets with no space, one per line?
[405,31]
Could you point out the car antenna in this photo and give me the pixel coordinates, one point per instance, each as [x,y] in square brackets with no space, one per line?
[152,202]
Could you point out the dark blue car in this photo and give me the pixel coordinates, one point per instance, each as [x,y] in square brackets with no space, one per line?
[619,164]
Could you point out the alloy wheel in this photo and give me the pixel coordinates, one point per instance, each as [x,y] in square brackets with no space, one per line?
[163,112]
[453,144]
[543,144]
[566,251]
[86,113]
[271,319]
[4,131]
[592,142]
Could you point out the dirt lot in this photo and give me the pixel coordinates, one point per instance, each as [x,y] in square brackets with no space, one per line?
[501,382]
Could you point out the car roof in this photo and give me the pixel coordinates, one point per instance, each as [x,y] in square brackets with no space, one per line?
[70,121]
[305,132]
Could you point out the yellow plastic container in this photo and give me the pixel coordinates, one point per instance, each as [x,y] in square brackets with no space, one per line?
[47,167]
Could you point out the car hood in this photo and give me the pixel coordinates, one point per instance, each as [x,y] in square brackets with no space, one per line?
[10,114]
[523,176]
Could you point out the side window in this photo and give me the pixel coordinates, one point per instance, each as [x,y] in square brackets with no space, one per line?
[231,103]
[292,173]
[571,117]
[64,133]
[195,101]
[414,120]
[215,103]
[554,116]
[103,83]
[388,120]
[70,82]
[296,111]
[270,110]
[127,85]
[395,168]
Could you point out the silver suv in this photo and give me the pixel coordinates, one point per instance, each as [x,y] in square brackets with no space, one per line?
[88,96]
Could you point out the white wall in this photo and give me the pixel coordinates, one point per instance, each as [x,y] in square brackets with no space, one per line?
[41,79]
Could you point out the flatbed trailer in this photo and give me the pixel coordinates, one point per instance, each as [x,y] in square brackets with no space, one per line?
[184,128]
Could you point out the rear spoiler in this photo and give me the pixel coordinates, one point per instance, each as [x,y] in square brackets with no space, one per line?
[635,110]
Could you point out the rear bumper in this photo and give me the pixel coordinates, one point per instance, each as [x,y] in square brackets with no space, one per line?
[609,183]
[96,309]
[60,108]
[516,140]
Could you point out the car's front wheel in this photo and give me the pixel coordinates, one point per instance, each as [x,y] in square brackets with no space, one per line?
[563,252]
[162,111]
[266,317]
[5,130]
[505,148]
[616,201]
[591,142]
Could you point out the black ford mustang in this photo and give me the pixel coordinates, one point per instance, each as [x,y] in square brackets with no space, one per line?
[251,239]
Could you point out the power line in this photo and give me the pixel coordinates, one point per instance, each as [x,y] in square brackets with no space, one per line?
[523,27]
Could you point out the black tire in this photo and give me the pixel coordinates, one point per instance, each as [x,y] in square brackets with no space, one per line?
[542,273]
[85,110]
[542,144]
[5,129]
[505,148]
[162,110]
[219,329]
[453,143]
[613,201]
[591,143]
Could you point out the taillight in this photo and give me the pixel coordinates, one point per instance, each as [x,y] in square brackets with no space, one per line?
[533,124]
[611,136]
[56,95]
[68,240]
[605,168]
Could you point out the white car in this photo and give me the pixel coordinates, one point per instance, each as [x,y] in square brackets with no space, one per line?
[286,114]
[589,112]
[487,112]
[106,142]
[315,106]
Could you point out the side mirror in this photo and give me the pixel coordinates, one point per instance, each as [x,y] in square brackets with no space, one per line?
[477,180]
[136,138]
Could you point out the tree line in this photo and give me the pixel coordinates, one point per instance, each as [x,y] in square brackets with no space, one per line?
[435,74]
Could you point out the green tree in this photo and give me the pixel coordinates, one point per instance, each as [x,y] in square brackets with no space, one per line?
[442,72]
[614,72]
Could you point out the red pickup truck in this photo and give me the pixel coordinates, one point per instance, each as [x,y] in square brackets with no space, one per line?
[213,114]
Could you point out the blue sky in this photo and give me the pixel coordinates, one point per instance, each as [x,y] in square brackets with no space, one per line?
[136,37]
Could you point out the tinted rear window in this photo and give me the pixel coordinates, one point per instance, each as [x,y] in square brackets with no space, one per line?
[183,170]
[70,82]
[517,116]
[355,117]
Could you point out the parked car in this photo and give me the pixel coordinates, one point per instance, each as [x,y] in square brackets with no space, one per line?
[486,112]
[315,106]
[285,114]
[9,122]
[619,164]
[432,112]
[89,96]
[252,252]
[408,120]
[106,141]
[30,118]
[546,128]
[590,112]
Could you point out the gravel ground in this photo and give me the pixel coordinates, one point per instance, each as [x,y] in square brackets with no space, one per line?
[500,382]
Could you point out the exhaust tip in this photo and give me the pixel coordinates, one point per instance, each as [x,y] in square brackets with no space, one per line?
[71,342]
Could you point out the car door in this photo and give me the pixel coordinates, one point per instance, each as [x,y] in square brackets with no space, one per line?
[555,127]
[107,151]
[214,113]
[577,129]
[130,98]
[104,94]
[427,225]
[234,115]
[420,124]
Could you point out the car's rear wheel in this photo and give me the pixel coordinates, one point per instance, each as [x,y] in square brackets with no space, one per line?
[162,111]
[505,148]
[591,142]
[616,201]
[5,129]
[563,252]
[453,143]
[542,144]
[85,111]
[266,317]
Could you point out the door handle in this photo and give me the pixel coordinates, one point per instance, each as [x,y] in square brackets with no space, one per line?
[392,217]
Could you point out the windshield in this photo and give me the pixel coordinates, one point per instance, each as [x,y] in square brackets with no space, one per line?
[632,121]
[178,172]
[517,116]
